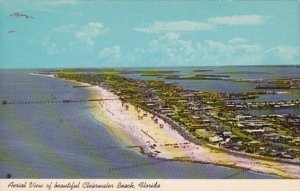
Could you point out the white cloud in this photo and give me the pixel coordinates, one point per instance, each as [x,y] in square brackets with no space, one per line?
[50,46]
[230,53]
[283,54]
[44,9]
[211,23]
[237,40]
[75,35]
[90,32]
[238,20]
[47,3]
[111,54]
[234,45]
[62,2]
[77,14]
[287,51]
[218,46]
[172,49]
[64,28]
[174,26]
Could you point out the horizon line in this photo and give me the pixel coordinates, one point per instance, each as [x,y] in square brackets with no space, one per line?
[189,66]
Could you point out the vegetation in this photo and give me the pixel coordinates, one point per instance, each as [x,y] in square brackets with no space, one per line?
[203,70]
[199,77]
[273,136]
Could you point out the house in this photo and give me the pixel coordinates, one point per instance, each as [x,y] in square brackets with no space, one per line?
[195,117]
[239,125]
[285,139]
[206,121]
[269,130]
[243,117]
[255,131]
[296,141]
[215,139]
[227,134]
[271,137]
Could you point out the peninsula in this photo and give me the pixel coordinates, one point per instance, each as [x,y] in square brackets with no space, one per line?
[166,121]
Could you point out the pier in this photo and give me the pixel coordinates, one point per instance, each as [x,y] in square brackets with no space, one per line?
[6,102]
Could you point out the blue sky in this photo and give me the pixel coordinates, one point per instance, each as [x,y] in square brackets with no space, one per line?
[77,33]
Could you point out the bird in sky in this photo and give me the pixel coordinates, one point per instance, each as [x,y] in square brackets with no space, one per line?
[18,14]
[12,31]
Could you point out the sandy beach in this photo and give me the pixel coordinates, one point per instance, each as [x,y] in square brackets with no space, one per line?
[45,75]
[155,138]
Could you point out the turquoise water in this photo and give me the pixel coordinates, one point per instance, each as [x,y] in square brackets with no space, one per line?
[59,140]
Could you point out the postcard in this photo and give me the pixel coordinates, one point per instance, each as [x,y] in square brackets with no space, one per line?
[149,95]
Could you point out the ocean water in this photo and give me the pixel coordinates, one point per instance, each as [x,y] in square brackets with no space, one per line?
[59,140]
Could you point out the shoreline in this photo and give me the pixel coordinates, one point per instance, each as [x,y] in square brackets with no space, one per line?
[170,144]
[45,75]
[164,142]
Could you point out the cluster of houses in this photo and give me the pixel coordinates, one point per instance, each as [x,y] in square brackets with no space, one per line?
[263,105]
[208,118]
[266,138]
[199,119]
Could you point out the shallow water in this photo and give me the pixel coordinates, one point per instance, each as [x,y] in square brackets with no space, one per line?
[63,140]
